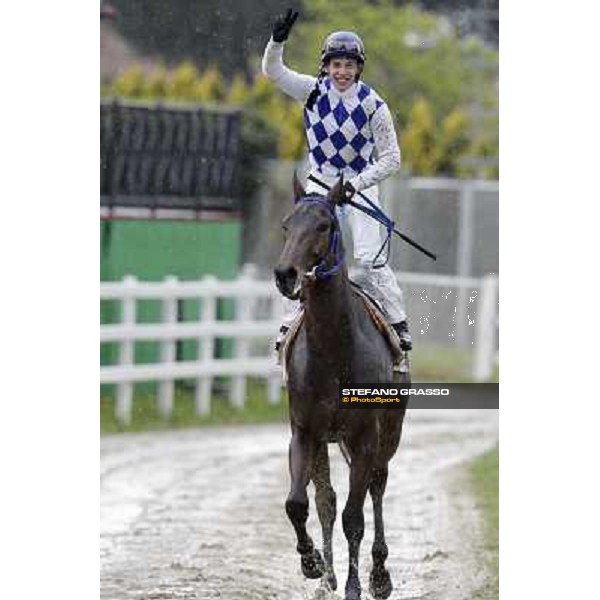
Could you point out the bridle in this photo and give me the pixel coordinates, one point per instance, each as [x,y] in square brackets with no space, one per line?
[320,271]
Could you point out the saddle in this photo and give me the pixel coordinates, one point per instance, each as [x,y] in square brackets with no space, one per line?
[373,310]
[376,313]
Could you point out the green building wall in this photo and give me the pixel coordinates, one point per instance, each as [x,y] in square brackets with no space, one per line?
[152,250]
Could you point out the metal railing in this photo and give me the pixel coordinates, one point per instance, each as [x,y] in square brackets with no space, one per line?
[172,160]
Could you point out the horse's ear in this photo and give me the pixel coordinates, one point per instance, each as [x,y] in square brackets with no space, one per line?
[335,194]
[298,189]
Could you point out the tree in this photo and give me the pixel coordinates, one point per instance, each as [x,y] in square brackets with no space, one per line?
[442,90]
[419,140]
[410,53]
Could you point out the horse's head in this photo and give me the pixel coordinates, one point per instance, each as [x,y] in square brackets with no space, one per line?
[313,245]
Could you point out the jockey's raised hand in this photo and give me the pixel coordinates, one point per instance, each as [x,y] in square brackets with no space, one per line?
[283,25]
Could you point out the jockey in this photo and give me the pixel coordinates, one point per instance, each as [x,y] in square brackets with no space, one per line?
[347,124]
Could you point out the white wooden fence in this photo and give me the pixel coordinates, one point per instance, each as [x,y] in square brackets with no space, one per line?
[246,292]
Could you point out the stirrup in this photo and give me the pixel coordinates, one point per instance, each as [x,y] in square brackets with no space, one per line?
[403,334]
[403,365]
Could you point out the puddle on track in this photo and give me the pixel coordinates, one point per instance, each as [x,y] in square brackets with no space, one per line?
[199,514]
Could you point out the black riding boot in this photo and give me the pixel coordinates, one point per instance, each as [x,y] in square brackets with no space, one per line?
[405,339]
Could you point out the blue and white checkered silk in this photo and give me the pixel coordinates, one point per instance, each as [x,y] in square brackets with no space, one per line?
[338,130]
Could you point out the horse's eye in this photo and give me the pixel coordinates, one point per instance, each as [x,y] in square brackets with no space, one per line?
[323,227]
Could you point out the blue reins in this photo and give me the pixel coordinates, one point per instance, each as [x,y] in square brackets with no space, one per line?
[376,213]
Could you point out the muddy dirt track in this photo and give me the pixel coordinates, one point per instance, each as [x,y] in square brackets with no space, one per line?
[199,514]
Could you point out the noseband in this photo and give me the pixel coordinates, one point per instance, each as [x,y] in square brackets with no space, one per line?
[320,270]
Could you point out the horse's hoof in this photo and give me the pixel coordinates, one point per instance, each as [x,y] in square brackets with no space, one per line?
[322,593]
[330,580]
[313,566]
[352,594]
[380,584]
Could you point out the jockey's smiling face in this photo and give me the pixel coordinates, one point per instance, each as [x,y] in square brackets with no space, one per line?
[343,72]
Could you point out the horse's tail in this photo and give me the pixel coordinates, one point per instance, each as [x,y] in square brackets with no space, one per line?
[344,451]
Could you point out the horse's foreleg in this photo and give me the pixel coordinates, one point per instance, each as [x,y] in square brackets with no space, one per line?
[380,583]
[296,506]
[353,518]
[326,507]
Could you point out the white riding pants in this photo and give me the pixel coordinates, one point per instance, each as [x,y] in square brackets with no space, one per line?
[380,283]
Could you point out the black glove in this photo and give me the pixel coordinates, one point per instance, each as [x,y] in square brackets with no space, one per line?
[347,192]
[283,26]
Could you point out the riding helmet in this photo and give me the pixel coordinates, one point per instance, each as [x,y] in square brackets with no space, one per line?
[344,44]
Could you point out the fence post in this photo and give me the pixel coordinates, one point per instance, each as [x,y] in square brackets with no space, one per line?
[243,313]
[274,380]
[126,350]
[485,335]
[464,258]
[168,347]
[203,391]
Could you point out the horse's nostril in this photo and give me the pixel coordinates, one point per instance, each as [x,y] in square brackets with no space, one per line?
[285,273]
[285,277]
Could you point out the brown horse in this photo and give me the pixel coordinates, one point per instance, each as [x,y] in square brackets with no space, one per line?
[337,343]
